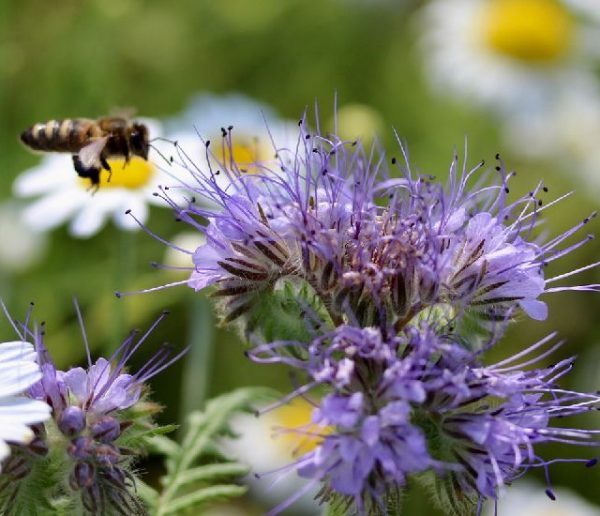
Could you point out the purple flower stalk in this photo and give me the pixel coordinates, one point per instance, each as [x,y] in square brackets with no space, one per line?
[419,401]
[387,266]
[376,244]
[90,408]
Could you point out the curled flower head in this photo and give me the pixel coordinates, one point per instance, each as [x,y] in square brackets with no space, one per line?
[95,413]
[386,270]
[421,401]
[375,244]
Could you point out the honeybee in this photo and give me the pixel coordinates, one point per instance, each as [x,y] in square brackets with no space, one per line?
[92,142]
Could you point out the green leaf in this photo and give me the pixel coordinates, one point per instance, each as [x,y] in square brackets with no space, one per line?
[162,445]
[187,483]
[148,494]
[213,472]
[203,496]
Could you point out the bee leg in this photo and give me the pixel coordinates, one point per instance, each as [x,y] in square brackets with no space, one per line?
[125,152]
[106,166]
[79,167]
[93,173]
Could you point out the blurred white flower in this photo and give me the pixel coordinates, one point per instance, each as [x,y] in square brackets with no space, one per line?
[61,195]
[358,121]
[528,499]
[567,133]
[262,446]
[516,56]
[254,127]
[189,240]
[18,371]
[21,246]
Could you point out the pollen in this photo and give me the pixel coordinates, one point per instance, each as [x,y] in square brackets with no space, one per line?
[532,31]
[133,175]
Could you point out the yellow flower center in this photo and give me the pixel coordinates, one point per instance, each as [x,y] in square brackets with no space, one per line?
[297,414]
[245,153]
[133,175]
[533,31]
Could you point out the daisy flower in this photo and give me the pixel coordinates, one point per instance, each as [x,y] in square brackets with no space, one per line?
[62,196]
[567,133]
[18,372]
[515,56]
[528,498]
[278,447]
[215,116]
[22,246]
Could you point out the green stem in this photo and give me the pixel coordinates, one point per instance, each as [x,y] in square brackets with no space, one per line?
[198,363]
[125,266]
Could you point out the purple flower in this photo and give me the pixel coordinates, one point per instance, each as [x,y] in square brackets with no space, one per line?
[390,269]
[90,408]
[420,401]
[372,246]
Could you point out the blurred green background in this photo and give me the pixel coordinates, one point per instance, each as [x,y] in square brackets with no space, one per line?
[83,58]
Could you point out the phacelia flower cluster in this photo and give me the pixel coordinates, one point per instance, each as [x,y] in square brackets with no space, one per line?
[419,400]
[377,244]
[97,414]
[390,269]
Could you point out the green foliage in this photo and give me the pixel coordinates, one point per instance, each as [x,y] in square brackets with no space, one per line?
[30,496]
[446,494]
[197,473]
[282,313]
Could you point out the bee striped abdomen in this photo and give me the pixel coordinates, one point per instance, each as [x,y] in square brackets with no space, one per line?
[68,135]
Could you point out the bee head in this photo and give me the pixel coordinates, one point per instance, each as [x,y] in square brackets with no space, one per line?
[138,139]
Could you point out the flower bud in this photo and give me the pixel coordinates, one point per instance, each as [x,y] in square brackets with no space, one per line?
[81,448]
[71,421]
[83,475]
[107,455]
[106,429]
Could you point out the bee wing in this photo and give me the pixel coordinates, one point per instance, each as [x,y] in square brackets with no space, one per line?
[126,112]
[90,154]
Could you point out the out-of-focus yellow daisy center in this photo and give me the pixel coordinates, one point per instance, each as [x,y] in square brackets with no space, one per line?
[245,153]
[133,175]
[534,31]
[297,414]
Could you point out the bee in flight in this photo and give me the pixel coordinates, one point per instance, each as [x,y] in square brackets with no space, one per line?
[92,142]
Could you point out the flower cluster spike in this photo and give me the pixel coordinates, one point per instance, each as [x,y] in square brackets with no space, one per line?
[398,266]
[96,413]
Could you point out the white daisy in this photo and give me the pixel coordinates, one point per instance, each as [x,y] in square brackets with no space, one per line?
[567,132]
[254,128]
[61,195]
[18,371]
[21,246]
[529,499]
[516,56]
[265,448]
